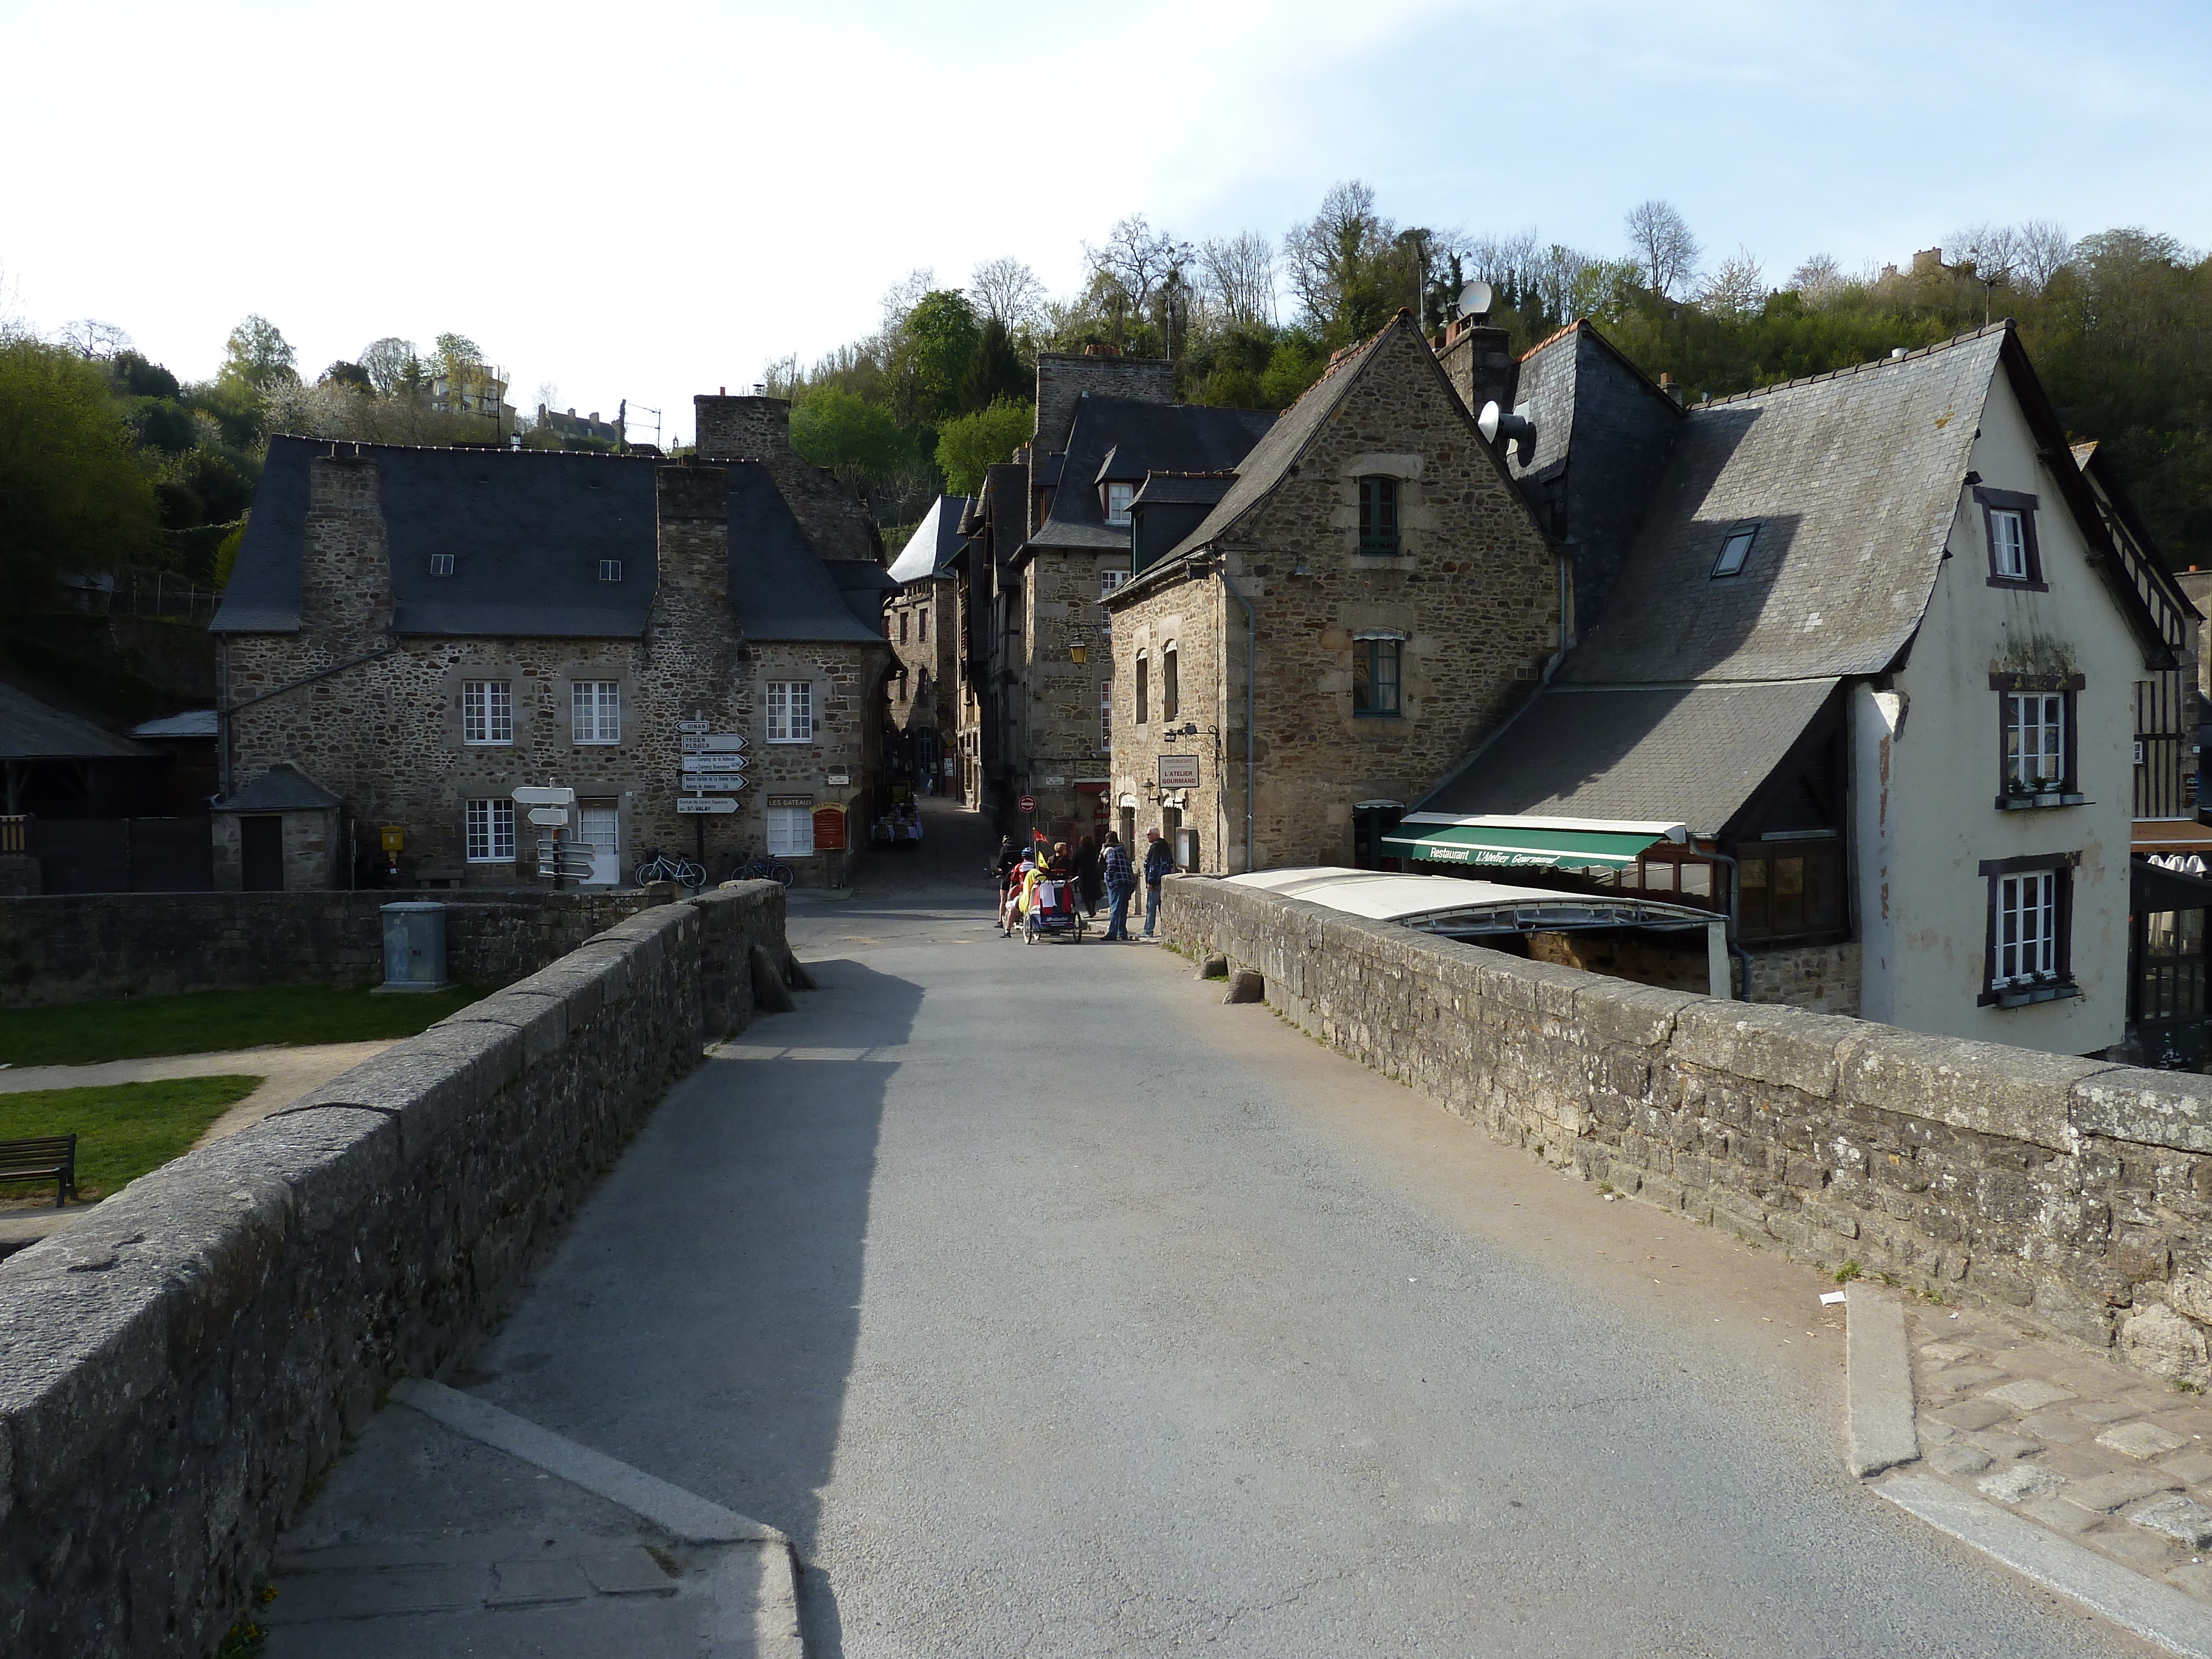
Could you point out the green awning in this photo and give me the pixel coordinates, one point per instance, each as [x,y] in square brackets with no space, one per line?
[1525,843]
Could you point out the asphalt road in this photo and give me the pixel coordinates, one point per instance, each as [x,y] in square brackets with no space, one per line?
[1055,1309]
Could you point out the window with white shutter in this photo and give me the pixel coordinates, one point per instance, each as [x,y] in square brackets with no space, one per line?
[791,714]
[487,712]
[491,827]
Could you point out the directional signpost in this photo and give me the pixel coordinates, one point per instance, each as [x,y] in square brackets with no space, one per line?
[553,810]
[698,806]
[713,771]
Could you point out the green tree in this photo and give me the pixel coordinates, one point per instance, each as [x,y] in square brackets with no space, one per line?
[970,443]
[938,347]
[72,492]
[258,352]
[858,441]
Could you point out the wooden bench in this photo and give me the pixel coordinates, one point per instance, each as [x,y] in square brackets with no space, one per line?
[50,1158]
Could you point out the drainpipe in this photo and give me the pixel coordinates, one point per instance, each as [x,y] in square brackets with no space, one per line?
[1251,680]
[1734,893]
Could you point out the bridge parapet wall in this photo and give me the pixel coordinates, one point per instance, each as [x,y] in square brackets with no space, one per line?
[177,1366]
[2072,1193]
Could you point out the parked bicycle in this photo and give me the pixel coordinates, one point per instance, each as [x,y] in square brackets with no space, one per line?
[760,869]
[660,867]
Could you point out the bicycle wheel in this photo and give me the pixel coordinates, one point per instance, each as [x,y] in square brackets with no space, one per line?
[780,873]
[648,872]
[692,873]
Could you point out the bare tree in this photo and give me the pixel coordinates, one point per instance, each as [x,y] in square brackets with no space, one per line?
[1326,256]
[1992,250]
[88,337]
[1736,287]
[2045,249]
[1007,289]
[392,364]
[1137,259]
[902,296]
[1239,274]
[1661,239]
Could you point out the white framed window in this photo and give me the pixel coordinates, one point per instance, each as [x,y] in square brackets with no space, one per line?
[1118,497]
[491,831]
[487,712]
[2035,740]
[610,570]
[2027,928]
[790,832]
[595,708]
[2008,543]
[791,713]
[1109,581]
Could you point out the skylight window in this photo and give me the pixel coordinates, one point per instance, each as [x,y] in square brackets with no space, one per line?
[1735,549]
[441,564]
[610,570]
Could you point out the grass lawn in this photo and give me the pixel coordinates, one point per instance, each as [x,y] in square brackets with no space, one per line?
[123,1130]
[206,1022]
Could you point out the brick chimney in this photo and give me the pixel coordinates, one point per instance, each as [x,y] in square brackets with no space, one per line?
[742,428]
[1062,377]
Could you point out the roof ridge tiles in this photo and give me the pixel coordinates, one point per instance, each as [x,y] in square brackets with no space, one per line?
[2002,325]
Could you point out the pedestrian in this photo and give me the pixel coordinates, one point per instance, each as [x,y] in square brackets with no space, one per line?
[1121,878]
[1157,862]
[1089,884]
[1003,867]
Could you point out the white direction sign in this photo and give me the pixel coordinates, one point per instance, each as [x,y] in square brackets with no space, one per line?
[694,726]
[715,783]
[552,816]
[713,762]
[530,795]
[724,743]
[692,805]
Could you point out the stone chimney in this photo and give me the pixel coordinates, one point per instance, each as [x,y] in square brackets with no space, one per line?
[1477,360]
[345,562]
[742,428]
[1062,377]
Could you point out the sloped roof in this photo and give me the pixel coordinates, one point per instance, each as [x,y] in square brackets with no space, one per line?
[1141,438]
[1853,478]
[192,723]
[29,730]
[282,788]
[781,589]
[1183,489]
[527,530]
[1690,754]
[935,541]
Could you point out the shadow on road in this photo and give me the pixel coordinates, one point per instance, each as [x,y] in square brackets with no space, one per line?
[700,1320]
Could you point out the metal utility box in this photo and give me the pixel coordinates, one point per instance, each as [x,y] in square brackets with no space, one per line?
[414,946]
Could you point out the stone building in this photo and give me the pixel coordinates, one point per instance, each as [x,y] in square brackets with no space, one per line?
[1049,541]
[417,632]
[1858,662]
[922,620]
[1313,634]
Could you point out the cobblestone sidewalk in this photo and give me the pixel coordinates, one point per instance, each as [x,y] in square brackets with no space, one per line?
[2106,1455]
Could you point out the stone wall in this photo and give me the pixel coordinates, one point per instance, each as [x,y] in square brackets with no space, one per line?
[1472,597]
[85,947]
[2071,1193]
[176,1367]
[1821,978]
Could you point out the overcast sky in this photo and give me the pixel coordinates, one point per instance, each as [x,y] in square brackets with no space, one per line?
[648,202]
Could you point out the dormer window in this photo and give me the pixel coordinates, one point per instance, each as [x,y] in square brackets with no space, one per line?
[441,564]
[1735,548]
[610,570]
[1118,497]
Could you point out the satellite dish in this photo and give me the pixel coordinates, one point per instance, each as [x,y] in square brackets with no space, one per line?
[1475,300]
[1498,427]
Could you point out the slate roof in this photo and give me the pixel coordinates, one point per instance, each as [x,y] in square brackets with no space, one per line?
[1689,754]
[1853,478]
[781,589]
[929,552]
[1183,489]
[527,530]
[29,730]
[192,723]
[1140,438]
[282,788]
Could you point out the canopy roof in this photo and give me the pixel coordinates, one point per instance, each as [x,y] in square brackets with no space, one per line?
[1510,842]
[1461,909]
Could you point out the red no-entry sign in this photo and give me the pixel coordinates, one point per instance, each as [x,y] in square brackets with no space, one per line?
[1029,803]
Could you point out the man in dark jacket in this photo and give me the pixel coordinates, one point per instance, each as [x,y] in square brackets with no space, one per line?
[1157,862]
[1121,877]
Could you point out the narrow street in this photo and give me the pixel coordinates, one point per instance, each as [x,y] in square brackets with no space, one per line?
[1054,1308]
